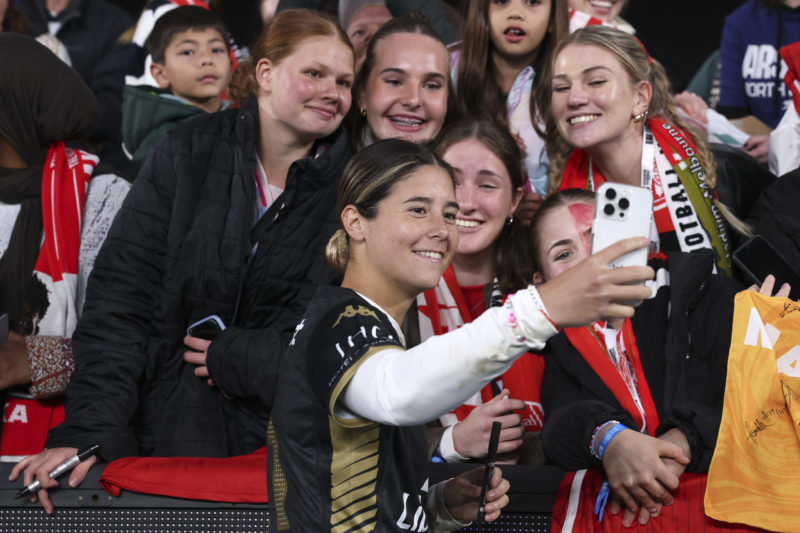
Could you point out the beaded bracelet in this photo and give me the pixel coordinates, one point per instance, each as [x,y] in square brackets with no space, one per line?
[599,449]
[593,443]
[512,321]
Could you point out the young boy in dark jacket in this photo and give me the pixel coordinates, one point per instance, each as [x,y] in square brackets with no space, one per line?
[192,66]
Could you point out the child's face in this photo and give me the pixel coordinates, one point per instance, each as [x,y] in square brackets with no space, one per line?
[196,67]
[518,27]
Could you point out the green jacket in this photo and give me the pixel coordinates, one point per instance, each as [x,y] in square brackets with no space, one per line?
[148,114]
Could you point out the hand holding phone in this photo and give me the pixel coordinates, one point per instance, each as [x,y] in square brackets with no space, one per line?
[622,211]
[207,328]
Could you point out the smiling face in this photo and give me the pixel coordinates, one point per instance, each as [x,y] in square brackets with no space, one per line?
[565,237]
[594,100]
[363,26]
[605,10]
[406,91]
[305,96]
[518,27]
[413,237]
[485,195]
[196,67]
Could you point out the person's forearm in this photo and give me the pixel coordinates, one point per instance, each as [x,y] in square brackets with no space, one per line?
[411,387]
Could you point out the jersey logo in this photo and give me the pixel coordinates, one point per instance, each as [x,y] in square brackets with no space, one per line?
[350,312]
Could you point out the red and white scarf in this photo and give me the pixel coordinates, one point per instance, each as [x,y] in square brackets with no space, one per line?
[64,182]
[444,309]
[625,379]
[683,203]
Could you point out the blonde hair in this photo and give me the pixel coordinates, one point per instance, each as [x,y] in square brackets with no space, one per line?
[630,52]
[369,178]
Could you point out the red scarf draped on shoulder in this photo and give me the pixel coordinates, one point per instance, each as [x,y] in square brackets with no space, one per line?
[444,309]
[593,350]
[64,181]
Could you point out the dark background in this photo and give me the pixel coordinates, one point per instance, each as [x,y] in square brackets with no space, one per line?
[679,33]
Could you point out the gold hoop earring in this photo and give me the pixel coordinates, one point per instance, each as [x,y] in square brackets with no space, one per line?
[363,112]
[641,116]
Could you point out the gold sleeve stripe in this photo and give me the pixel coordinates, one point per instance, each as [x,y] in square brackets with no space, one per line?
[363,523]
[357,500]
[341,473]
[345,379]
[354,475]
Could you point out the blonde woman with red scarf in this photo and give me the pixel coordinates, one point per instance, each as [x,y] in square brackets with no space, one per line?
[638,399]
[610,116]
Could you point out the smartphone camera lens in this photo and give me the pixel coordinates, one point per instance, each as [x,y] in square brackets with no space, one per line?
[624,203]
[611,194]
[608,209]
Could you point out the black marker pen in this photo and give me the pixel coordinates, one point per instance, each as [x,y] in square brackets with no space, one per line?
[61,469]
[494,440]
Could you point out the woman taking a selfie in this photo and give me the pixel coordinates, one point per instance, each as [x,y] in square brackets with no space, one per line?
[351,400]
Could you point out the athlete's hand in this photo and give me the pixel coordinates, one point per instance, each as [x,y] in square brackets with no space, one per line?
[462,495]
[39,467]
[471,436]
[591,290]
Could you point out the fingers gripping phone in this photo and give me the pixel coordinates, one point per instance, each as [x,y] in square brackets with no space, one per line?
[622,211]
[207,328]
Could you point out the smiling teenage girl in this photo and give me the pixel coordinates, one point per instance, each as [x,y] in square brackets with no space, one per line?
[490,261]
[230,216]
[402,89]
[351,400]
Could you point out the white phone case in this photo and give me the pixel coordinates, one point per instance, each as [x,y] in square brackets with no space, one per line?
[622,211]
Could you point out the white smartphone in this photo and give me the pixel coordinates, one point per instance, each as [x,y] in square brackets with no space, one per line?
[622,211]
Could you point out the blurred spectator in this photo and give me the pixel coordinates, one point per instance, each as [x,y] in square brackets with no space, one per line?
[91,31]
[49,235]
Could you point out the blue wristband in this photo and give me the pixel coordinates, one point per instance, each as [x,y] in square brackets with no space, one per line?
[606,440]
[602,500]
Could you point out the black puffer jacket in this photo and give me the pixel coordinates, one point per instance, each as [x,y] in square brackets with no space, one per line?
[180,250]
[683,335]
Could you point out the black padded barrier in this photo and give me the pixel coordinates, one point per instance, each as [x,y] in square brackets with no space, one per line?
[90,509]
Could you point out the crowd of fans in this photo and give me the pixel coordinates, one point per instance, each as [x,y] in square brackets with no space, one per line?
[386,207]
